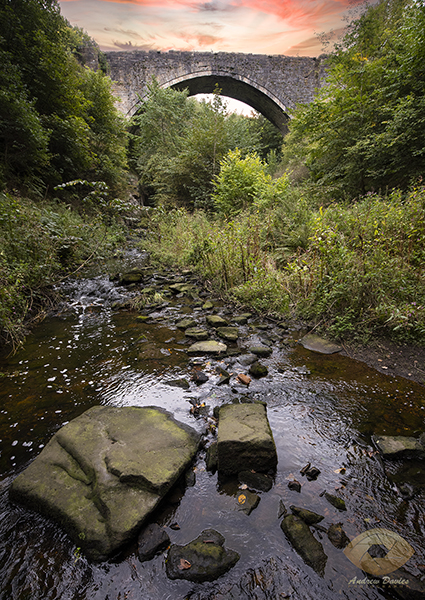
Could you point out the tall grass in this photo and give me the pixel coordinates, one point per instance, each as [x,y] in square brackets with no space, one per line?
[354,269]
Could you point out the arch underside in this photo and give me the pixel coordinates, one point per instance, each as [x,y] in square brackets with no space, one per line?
[260,101]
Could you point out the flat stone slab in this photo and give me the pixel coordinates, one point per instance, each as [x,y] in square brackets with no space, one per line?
[400,446]
[261,351]
[207,347]
[229,334]
[245,440]
[216,321]
[318,344]
[197,333]
[103,473]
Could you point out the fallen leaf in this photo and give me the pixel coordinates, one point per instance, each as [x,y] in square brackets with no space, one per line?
[184,564]
[244,486]
[241,499]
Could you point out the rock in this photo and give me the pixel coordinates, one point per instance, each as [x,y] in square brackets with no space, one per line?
[409,476]
[103,473]
[230,334]
[247,501]
[207,347]
[199,377]
[203,559]
[182,288]
[186,324]
[304,542]
[211,458]
[242,378]
[197,333]
[152,539]
[180,383]
[247,360]
[312,473]
[337,536]
[131,277]
[307,516]
[216,321]
[142,318]
[257,481]
[315,343]
[335,501]
[261,351]
[399,446]
[294,485]
[208,305]
[282,509]
[258,370]
[245,440]
[240,320]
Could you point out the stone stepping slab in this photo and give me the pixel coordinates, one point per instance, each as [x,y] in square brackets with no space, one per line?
[102,474]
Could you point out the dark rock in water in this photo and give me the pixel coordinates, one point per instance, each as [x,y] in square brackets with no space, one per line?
[103,473]
[180,383]
[258,370]
[312,473]
[294,485]
[398,446]
[211,458]
[199,377]
[152,539]
[257,481]
[272,579]
[247,501]
[247,359]
[216,321]
[304,542]
[317,344]
[203,559]
[338,537]
[245,440]
[409,476]
[307,516]
[131,277]
[261,351]
[338,503]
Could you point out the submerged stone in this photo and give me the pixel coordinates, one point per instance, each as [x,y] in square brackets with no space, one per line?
[304,542]
[103,473]
[399,446]
[306,515]
[152,539]
[245,440]
[318,344]
[203,559]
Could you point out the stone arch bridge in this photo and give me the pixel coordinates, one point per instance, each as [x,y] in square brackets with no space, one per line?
[269,84]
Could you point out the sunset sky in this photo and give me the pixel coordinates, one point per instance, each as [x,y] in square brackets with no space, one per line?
[252,26]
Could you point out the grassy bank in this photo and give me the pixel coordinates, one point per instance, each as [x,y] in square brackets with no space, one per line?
[42,242]
[355,270]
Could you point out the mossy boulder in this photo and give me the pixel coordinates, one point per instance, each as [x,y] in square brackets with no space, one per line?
[103,473]
[207,347]
[229,334]
[203,559]
[216,321]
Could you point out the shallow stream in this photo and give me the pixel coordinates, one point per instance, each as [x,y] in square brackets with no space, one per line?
[322,409]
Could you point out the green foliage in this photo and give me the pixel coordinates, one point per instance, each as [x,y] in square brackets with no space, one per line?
[244,182]
[41,242]
[366,129]
[58,120]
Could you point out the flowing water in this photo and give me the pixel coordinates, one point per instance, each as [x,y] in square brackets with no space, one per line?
[322,409]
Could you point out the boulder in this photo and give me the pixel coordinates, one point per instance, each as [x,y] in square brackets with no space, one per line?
[400,446]
[304,542]
[186,323]
[261,351]
[246,501]
[306,515]
[258,370]
[203,559]
[317,344]
[103,473]
[152,539]
[256,481]
[245,440]
[196,333]
[207,347]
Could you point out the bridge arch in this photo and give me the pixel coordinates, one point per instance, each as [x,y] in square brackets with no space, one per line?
[270,84]
[239,88]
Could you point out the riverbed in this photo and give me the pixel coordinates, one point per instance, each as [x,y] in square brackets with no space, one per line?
[96,349]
